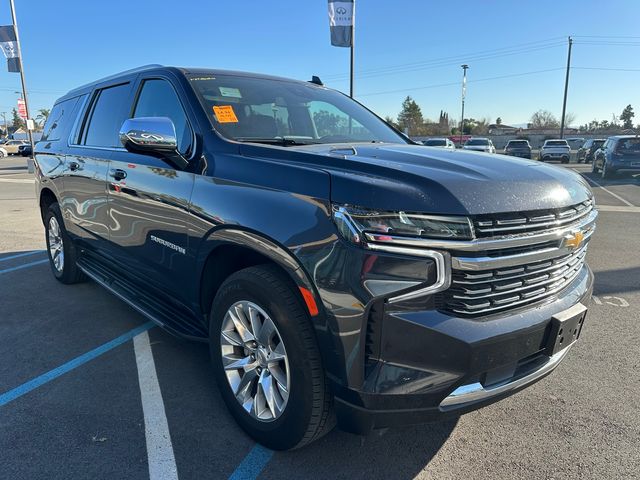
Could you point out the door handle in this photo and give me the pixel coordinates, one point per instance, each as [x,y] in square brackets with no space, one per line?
[118,174]
[73,166]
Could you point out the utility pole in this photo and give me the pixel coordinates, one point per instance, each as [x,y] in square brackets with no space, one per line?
[566,88]
[464,94]
[24,86]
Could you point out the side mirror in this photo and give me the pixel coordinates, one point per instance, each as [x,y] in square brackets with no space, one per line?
[152,136]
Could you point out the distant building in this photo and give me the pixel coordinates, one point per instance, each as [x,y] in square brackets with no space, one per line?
[502,129]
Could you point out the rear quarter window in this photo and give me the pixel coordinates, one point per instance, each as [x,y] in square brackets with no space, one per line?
[59,118]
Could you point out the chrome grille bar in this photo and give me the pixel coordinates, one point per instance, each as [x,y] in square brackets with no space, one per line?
[531,223]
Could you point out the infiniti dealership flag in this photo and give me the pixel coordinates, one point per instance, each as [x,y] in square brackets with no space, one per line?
[10,47]
[341,18]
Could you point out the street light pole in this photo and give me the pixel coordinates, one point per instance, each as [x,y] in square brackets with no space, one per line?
[566,88]
[464,93]
[24,86]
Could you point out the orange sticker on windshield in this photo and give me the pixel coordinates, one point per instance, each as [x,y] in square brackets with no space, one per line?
[225,114]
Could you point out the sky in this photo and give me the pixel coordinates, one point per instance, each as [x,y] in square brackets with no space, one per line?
[516,51]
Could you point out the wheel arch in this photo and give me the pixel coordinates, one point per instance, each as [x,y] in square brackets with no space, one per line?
[47,198]
[229,250]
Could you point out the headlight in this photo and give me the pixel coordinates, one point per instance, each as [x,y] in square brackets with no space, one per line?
[353,221]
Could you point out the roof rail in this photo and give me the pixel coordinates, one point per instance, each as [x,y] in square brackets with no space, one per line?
[116,75]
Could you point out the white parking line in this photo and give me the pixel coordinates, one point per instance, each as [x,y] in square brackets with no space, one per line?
[162,462]
[17,180]
[609,192]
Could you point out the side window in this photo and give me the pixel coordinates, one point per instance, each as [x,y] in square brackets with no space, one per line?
[159,99]
[108,113]
[61,112]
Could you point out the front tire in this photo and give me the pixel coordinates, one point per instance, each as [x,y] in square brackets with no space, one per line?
[266,359]
[61,251]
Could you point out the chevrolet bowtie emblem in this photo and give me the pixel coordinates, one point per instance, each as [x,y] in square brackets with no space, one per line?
[574,240]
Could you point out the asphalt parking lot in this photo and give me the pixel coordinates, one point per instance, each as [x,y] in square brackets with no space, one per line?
[77,383]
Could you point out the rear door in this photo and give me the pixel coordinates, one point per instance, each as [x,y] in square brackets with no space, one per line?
[84,202]
[149,199]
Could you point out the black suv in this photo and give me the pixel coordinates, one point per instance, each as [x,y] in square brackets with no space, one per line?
[518,148]
[337,270]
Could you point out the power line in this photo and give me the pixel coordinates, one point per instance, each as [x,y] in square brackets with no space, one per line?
[455,59]
[522,74]
[608,69]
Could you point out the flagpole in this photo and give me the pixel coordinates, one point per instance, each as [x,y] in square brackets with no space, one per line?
[24,87]
[353,40]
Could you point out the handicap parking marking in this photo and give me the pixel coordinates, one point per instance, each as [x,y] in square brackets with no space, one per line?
[20,255]
[253,464]
[37,382]
[24,265]
[160,455]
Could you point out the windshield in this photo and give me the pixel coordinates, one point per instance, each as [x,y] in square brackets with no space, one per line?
[478,141]
[597,144]
[285,112]
[436,142]
[557,143]
[518,143]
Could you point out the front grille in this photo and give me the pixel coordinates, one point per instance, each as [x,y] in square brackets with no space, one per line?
[483,292]
[527,222]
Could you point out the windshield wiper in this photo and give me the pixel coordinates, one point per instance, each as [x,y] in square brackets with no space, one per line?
[286,142]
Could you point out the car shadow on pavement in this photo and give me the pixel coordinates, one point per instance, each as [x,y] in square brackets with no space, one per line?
[620,280]
[398,453]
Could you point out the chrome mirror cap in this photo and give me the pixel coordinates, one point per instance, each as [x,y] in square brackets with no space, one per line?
[149,134]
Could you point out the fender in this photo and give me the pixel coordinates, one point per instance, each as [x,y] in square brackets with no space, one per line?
[268,248]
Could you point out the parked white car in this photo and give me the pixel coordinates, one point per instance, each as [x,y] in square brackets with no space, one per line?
[440,142]
[3,152]
[480,145]
[555,150]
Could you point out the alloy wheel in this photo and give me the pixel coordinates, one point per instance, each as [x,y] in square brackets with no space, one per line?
[255,361]
[56,245]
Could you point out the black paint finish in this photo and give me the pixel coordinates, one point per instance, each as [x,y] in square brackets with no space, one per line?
[176,233]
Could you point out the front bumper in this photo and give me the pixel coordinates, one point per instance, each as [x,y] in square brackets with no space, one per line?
[432,366]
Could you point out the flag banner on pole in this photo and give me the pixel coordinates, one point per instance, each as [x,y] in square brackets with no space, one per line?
[10,47]
[22,109]
[341,21]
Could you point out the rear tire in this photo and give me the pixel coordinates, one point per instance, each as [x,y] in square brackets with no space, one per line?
[61,250]
[606,172]
[302,412]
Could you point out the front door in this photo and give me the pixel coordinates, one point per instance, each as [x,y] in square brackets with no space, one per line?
[149,198]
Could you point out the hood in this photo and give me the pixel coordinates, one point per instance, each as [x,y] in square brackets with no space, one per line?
[433,180]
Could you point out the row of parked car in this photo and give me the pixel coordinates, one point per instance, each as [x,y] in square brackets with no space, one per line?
[14,147]
[609,156]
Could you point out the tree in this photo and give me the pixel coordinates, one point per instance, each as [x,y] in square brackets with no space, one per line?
[389,119]
[410,118]
[42,116]
[327,123]
[627,117]
[569,118]
[544,119]
[499,121]
[16,121]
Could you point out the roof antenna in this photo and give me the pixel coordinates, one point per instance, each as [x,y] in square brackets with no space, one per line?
[316,79]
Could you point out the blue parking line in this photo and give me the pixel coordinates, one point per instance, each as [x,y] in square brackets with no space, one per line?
[25,265]
[20,255]
[71,365]
[253,464]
